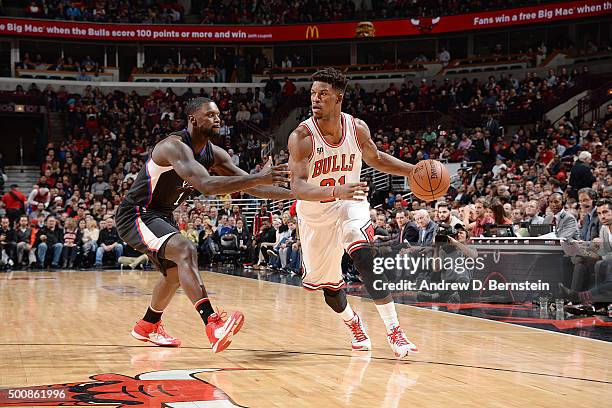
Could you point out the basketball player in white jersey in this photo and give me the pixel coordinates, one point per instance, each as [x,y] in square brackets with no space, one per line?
[333,215]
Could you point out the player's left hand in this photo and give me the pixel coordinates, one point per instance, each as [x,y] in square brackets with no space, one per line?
[275,174]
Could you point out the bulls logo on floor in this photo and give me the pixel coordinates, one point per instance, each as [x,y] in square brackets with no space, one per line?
[172,388]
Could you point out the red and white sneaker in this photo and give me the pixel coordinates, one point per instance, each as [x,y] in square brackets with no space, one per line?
[360,339]
[220,331]
[399,343]
[154,333]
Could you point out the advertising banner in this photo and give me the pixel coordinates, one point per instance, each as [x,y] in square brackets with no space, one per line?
[70,30]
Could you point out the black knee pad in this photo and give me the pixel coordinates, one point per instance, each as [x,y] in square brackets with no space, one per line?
[363,259]
[336,299]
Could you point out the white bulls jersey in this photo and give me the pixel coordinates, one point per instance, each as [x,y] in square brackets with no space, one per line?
[331,164]
[331,227]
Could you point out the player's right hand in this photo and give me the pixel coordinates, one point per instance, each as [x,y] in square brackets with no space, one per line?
[352,191]
[278,174]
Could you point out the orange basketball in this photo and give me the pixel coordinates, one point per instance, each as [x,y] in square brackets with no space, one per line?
[430,180]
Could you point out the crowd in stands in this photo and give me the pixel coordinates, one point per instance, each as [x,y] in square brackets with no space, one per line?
[108,11]
[497,94]
[225,68]
[269,12]
[513,179]
[109,137]
[87,65]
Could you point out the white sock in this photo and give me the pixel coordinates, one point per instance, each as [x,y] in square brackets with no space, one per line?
[347,314]
[388,315]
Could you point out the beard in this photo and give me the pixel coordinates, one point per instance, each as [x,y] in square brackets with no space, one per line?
[212,132]
[208,133]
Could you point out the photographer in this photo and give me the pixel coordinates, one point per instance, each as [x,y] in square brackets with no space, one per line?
[450,248]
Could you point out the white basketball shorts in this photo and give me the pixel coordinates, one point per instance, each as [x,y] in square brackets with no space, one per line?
[326,231]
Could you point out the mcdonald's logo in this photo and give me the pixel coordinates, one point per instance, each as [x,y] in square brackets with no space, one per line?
[312,32]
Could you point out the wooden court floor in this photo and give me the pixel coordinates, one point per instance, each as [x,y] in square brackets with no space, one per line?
[67,327]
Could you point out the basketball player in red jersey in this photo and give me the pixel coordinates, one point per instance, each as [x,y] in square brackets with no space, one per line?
[177,167]
[326,152]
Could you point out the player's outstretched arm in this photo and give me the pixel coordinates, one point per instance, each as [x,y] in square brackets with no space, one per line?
[173,152]
[381,161]
[225,167]
[300,149]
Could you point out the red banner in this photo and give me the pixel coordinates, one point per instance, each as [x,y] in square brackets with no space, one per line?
[324,31]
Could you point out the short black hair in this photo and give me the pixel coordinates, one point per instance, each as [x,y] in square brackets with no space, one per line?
[331,76]
[604,201]
[195,103]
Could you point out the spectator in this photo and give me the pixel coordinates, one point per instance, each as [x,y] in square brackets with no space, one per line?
[234,157]
[131,175]
[581,175]
[286,63]
[256,116]
[380,225]
[14,202]
[531,213]
[108,241]
[243,236]
[266,239]
[99,187]
[226,208]
[477,226]
[281,253]
[49,237]
[208,243]
[499,214]
[444,216]
[289,88]
[90,239]
[262,215]
[24,238]
[243,114]
[224,226]
[564,222]
[39,195]
[72,242]
[408,232]
[8,239]
[34,10]
[190,233]
[444,57]
[601,255]
[427,228]
[587,197]
[237,214]
[213,216]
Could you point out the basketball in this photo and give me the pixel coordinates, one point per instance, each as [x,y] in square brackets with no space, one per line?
[430,180]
